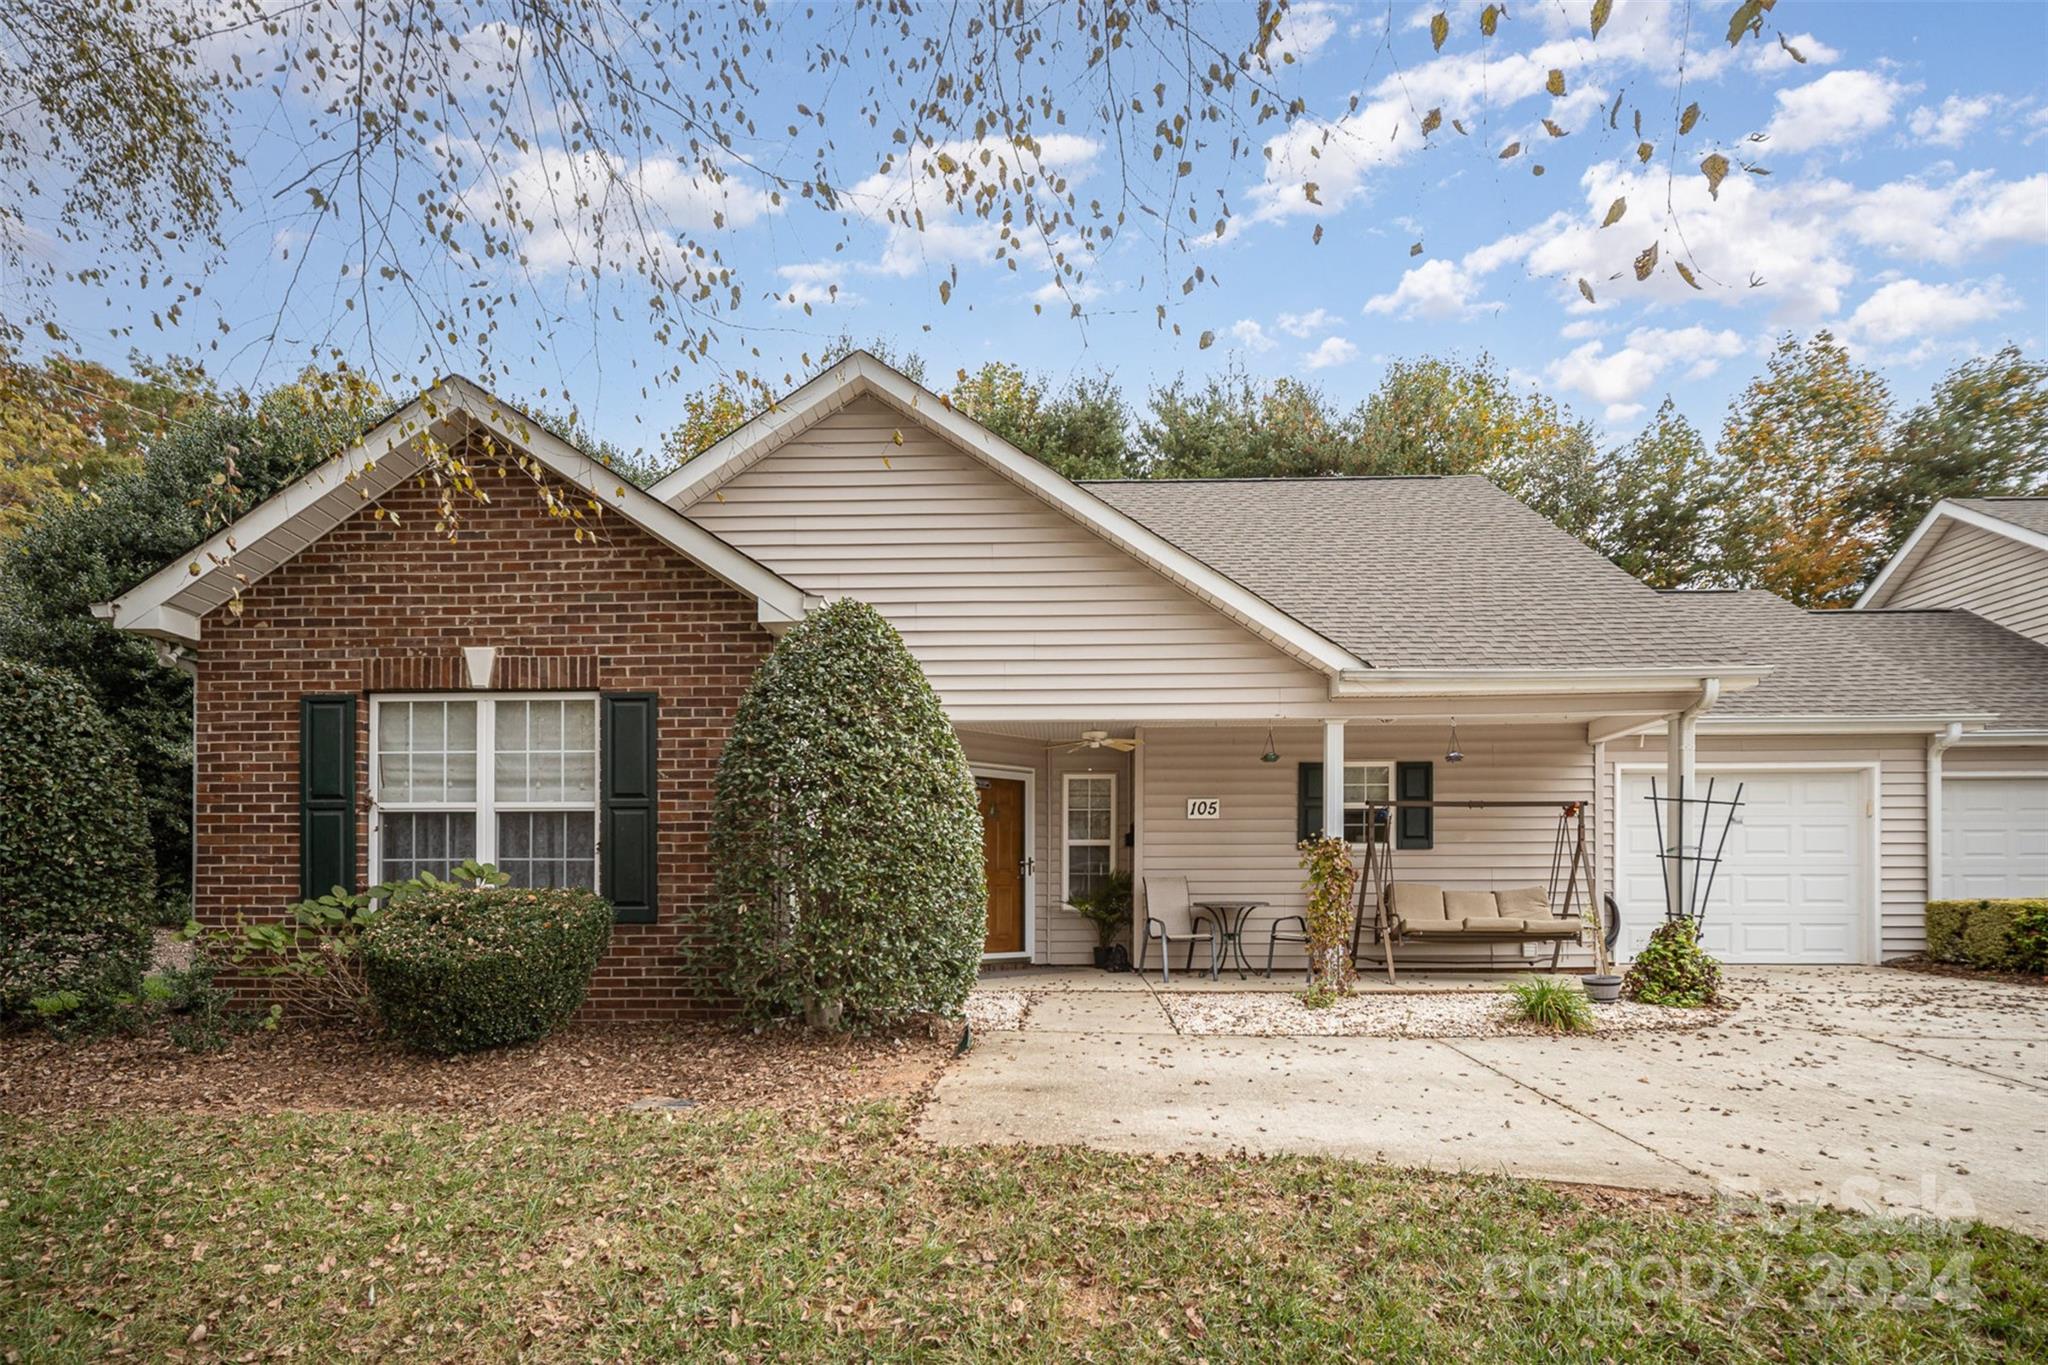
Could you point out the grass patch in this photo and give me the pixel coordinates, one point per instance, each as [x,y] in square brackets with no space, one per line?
[757,1235]
[1548,1002]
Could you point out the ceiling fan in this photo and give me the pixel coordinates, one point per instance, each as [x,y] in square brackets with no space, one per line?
[1096,739]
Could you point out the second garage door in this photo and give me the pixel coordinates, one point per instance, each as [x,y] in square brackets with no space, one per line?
[1994,836]
[1794,882]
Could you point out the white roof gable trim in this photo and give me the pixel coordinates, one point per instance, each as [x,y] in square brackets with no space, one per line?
[1927,533]
[172,602]
[862,375]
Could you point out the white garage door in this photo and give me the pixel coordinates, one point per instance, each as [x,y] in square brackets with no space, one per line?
[1994,836]
[1793,881]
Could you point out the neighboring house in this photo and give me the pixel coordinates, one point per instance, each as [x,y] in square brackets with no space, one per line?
[378,698]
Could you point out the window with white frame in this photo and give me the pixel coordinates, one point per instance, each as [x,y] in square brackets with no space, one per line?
[1090,833]
[1366,785]
[507,780]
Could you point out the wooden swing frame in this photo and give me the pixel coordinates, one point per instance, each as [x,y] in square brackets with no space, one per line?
[1570,865]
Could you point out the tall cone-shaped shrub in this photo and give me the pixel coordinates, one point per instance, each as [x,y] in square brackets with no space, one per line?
[846,842]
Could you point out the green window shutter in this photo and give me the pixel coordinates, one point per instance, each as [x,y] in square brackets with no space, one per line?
[628,824]
[1308,801]
[1415,782]
[327,795]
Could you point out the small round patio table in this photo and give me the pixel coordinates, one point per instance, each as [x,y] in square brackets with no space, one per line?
[1230,916]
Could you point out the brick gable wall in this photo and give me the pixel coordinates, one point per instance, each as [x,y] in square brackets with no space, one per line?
[377,606]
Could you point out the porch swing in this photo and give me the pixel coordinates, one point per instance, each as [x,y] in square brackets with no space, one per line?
[1401,913]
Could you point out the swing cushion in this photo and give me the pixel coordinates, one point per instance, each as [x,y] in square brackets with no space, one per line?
[1418,905]
[1523,902]
[1469,905]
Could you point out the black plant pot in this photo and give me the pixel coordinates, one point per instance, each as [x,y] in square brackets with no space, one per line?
[1114,958]
[1601,990]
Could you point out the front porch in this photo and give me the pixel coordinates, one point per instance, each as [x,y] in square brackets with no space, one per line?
[1224,803]
[998,976]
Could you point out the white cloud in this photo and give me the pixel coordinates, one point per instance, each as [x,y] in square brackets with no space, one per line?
[591,209]
[1303,324]
[1304,30]
[1909,308]
[912,189]
[1068,294]
[1618,378]
[1333,351]
[1945,223]
[1251,335]
[1436,290]
[1952,122]
[1768,57]
[816,284]
[1617,414]
[1840,107]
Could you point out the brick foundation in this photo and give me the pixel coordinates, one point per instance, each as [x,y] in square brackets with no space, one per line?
[375,606]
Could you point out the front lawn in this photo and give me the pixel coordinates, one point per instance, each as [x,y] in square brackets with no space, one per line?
[810,1234]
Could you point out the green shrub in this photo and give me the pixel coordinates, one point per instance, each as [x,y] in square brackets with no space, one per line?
[1672,969]
[1108,908]
[462,969]
[846,842]
[1560,1006]
[77,887]
[309,964]
[2027,949]
[1993,935]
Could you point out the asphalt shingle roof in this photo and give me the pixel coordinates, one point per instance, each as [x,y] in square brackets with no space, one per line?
[1996,669]
[2030,513]
[1423,572]
[1821,663]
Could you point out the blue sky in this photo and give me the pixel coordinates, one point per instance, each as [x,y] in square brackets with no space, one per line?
[1906,208]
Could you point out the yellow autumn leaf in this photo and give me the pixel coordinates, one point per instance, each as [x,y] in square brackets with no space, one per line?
[1415,250]
[1555,83]
[1614,212]
[1685,273]
[1646,262]
[1208,340]
[1587,290]
[1715,168]
[1689,119]
[1432,121]
[1550,127]
[1439,29]
[1644,151]
[1489,20]
[1511,150]
[1601,10]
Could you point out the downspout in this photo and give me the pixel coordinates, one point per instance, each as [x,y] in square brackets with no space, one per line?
[1938,744]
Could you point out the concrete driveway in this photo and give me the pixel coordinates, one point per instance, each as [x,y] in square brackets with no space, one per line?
[1858,1087]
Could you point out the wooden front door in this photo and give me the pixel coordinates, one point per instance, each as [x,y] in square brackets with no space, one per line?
[1002,851]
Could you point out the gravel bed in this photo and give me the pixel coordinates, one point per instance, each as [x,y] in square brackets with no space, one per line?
[995,1009]
[1273,1015]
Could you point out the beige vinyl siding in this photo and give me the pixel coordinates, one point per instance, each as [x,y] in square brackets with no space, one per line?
[1015,610]
[1059,936]
[1902,811]
[1992,575]
[1249,851]
[1998,758]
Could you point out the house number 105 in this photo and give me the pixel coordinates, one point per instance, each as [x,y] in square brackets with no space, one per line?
[1205,807]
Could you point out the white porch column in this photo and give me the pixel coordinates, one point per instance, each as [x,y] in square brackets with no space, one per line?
[1937,745]
[1333,779]
[1679,775]
[1137,840]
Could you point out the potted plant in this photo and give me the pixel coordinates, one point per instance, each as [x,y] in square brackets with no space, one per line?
[1109,909]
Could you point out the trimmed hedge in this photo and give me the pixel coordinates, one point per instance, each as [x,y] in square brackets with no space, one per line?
[461,970]
[845,835]
[1993,935]
[77,885]
[1672,969]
